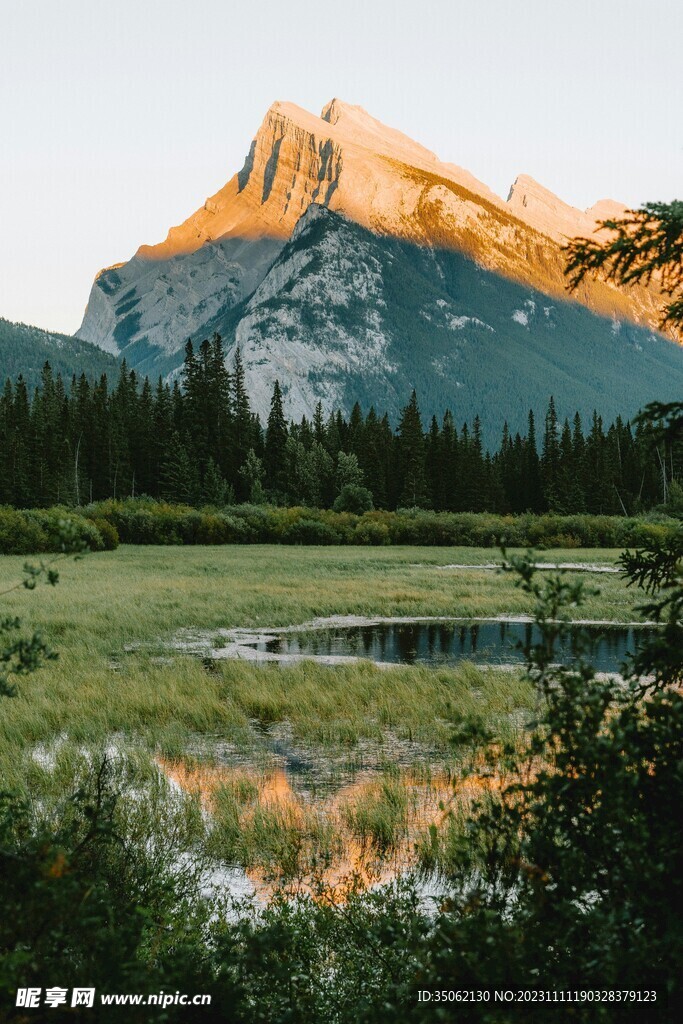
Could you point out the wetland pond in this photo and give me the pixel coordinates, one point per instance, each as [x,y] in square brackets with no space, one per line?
[442,643]
[293,815]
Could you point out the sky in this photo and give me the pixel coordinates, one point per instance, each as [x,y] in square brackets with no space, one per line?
[117,120]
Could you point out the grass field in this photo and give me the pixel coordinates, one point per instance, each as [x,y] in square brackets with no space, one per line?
[111,618]
[107,603]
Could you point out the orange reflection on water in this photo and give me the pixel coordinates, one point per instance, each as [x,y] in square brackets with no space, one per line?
[369,825]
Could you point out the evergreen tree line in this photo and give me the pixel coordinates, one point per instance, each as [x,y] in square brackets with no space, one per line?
[198,441]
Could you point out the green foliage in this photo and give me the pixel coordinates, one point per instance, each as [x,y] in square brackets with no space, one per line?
[644,243]
[20,535]
[35,531]
[202,446]
[100,888]
[311,960]
[349,472]
[108,533]
[310,531]
[146,521]
[252,475]
[583,848]
[353,498]
[658,568]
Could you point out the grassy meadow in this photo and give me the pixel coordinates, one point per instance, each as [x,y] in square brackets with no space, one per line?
[373,746]
[107,604]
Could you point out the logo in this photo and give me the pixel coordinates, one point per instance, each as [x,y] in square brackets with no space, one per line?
[29,998]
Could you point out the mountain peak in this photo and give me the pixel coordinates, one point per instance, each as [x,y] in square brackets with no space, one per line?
[346,161]
[333,110]
[337,110]
[543,210]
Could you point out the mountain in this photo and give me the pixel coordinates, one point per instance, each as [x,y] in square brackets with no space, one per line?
[25,350]
[348,261]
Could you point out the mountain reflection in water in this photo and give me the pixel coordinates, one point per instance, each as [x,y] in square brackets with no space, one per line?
[333,847]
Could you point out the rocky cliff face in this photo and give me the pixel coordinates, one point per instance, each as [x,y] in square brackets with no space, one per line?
[346,315]
[245,263]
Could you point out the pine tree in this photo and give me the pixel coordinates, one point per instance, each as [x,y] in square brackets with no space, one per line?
[449,463]
[371,458]
[252,474]
[474,473]
[179,476]
[411,456]
[550,459]
[276,440]
[20,450]
[163,430]
[319,424]
[242,433]
[533,492]
[214,487]
[433,466]
[598,496]
[220,409]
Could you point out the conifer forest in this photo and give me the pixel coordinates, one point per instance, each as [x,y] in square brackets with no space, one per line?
[197,441]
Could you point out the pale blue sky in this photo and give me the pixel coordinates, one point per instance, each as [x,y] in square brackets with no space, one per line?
[118,119]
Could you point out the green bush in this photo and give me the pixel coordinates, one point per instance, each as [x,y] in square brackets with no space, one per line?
[18,534]
[146,521]
[219,528]
[353,498]
[36,531]
[309,531]
[108,533]
[370,531]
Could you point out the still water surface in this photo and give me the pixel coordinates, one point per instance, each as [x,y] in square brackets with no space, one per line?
[446,643]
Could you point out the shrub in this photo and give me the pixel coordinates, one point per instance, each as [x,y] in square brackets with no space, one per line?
[35,531]
[20,535]
[219,528]
[371,532]
[147,521]
[310,531]
[108,533]
[353,498]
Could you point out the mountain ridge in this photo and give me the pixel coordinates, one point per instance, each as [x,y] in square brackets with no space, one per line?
[25,350]
[213,270]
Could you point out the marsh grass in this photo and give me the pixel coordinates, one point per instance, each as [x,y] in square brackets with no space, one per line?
[323,706]
[281,835]
[265,827]
[380,814]
[115,684]
[111,609]
[165,825]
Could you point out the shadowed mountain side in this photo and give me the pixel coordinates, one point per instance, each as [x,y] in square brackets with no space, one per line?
[160,302]
[448,215]
[345,315]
